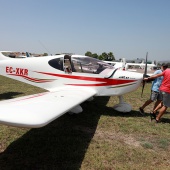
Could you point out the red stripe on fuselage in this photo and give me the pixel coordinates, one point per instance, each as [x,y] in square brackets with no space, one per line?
[100,81]
[35,80]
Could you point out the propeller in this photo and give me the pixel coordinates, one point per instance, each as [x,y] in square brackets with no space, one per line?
[145,73]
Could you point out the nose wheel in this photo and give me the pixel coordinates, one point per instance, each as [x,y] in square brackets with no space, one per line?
[122,106]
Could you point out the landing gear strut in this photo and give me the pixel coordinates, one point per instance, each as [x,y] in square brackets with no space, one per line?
[122,106]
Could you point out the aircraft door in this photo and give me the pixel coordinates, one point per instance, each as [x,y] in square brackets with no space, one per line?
[67,64]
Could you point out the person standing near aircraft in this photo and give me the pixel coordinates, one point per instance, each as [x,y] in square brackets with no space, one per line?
[155,92]
[164,90]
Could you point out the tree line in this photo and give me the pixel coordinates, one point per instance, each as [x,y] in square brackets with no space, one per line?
[110,57]
[104,56]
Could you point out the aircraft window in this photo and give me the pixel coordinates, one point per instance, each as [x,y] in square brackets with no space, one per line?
[56,63]
[89,65]
[77,66]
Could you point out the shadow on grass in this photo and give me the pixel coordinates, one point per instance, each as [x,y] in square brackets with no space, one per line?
[60,145]
[165,120]
[9,95]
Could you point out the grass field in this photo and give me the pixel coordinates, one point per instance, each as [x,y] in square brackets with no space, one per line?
[97,139]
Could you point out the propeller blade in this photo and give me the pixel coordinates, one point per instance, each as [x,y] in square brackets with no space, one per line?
[145,73]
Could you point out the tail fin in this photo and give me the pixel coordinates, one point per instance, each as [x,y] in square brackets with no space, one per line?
[27,54]
[124,64]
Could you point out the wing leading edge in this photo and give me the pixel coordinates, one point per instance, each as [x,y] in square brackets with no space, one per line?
[38,110]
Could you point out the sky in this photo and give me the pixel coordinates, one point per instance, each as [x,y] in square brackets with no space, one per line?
[128,28]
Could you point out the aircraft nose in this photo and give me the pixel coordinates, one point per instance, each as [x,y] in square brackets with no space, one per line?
[138,76]
[133,75]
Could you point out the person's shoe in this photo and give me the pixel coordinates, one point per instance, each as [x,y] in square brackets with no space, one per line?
[156,121]
[141,111]
[152,115]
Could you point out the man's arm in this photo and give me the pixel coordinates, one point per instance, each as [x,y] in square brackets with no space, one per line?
[153,76]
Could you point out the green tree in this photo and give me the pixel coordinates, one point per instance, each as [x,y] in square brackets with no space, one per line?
[105,56]
[110,56]
[101,57]
[94,55]
[88,53]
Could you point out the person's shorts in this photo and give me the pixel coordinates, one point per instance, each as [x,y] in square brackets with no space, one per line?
[166,99]
[156,95]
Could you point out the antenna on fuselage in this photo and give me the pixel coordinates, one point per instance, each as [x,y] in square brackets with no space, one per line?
[45,47]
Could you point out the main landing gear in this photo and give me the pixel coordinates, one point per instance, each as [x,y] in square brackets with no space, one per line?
[122,106]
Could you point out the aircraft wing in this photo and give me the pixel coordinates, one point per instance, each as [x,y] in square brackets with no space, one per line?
[38,110]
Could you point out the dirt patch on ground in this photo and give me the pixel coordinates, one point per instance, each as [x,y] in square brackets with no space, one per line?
[123,138]
[111,136]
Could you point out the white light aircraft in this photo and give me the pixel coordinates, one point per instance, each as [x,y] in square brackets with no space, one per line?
[133,67]
[69,79]
[130,66]
[120,65]
[140,65]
